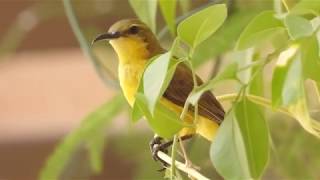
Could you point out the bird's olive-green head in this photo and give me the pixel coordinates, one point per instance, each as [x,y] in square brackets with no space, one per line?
[131,37]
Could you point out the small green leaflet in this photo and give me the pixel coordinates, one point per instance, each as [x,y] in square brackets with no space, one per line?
[260,29]
[298,26]
[201,25]
[168,9]
[146,11]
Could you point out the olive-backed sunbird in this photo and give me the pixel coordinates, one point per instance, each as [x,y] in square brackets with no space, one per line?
[135,44]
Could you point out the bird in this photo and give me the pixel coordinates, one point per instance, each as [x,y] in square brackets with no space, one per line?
[135,44]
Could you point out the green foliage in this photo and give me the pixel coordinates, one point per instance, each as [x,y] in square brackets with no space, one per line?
[261,29]
[297,26]
[158,75]
[206,25]
[146,11]
[90,134]
[224,39]
[241,148]
[306,7]
[255,136]
[280,74]
[163,121]
[229,73]
[243,138]
[228,152]
[168,9]
[310,58]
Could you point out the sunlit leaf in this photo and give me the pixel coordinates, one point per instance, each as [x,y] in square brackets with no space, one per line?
[199,26]
[299,110]
[241,148]
[298,26]
[306,7]
[91,127]
[293,96]
[227,151]
[291,91]
[224,39]
[256,86]
[255,135]
[158,75]
[260,29]
[280,73]
[310,58]
[230,72]
[168,9]
[146,11]
[154,77]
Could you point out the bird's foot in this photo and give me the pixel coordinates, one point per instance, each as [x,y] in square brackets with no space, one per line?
[156,145]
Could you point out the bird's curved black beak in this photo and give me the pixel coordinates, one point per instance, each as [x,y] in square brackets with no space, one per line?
[106,36]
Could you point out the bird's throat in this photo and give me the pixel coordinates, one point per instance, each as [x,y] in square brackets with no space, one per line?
[133,56]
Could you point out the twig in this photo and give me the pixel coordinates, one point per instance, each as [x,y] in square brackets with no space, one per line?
[255,99]
[102,70]
[189,170]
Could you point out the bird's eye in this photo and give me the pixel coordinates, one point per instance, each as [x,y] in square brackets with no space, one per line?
[133,29]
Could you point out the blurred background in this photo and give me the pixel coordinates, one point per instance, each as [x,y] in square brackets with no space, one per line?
[47,86]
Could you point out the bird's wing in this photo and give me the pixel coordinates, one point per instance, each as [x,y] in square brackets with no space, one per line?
[180,87]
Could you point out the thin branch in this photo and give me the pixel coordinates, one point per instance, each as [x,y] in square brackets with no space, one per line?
[85,45]
[181,166]
[255,99]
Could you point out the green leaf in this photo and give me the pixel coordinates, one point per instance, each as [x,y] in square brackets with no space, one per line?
[280,73]
[91,127]
[310,58]
[146,11]
[256,85]
[224,39]
[306,7]
[298,26]
[198,27]
[158,75]
[230,72]
[164,122]
[255,136]
[168,9]
[154,77]
[293,96]
[260,29]
[227,150]
[291,91]
[136,114]
[299,109]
